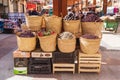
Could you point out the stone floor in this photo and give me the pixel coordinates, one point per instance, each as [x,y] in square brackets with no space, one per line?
[110,69]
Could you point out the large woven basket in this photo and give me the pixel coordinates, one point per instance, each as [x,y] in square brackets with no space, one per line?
[48,43]
[34,23]
[89,46]
[54,23]
[94,28]
[67,45]
[73,26]
[26,44]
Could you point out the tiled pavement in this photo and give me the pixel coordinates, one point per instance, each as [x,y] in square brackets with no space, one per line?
[110,62]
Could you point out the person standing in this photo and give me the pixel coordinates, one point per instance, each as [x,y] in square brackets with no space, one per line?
[19,22]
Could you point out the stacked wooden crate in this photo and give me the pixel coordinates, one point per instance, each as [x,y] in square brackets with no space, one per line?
[40,62]
[21,60]
[63,62]
[89,62]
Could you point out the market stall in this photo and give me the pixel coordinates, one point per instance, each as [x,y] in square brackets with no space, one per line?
[53,44]
[58,49]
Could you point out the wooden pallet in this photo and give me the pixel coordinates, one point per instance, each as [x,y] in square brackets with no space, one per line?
[89,62]
[63,67]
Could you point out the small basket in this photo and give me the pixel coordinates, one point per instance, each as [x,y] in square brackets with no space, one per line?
[48,43]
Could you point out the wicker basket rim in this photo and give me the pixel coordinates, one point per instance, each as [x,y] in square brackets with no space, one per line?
[47,36]
[90,39]
[26,37]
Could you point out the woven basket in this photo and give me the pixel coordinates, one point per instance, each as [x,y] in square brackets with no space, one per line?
[94,28]
[26,44]
[24,27]
[89,46]
[73,26]
[48,43]
[34,23]
[54,23]
[67,45]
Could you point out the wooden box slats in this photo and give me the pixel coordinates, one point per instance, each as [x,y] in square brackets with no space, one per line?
[63,67]
[89,62]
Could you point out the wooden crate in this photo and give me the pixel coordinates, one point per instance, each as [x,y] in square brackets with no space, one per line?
[41,55]
[38,53]
[21,54]
[89,62]
[63,67]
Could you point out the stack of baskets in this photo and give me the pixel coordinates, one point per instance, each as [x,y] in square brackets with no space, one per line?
[89,59]
[50,43]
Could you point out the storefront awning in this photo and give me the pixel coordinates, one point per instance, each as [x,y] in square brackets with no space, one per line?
[31,6]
